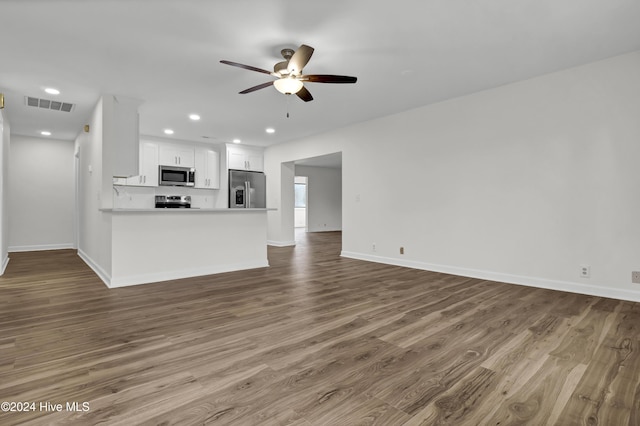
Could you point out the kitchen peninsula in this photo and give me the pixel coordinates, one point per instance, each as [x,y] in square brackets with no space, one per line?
[150,245]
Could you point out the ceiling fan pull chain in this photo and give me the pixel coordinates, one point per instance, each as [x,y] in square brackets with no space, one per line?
[288,97]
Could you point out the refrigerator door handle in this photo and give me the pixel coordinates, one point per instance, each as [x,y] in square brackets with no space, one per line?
[247,196]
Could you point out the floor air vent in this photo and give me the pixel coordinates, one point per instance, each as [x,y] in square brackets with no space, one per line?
[47,104]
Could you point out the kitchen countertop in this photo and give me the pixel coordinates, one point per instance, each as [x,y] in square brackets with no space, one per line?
[191,210]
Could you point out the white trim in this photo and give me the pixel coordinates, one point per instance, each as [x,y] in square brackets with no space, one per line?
[185,273]
[281,243]
[101,273]
[5,262]
[568,286]
[41,247]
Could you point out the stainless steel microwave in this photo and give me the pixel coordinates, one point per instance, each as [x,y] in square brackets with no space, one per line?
[177,176]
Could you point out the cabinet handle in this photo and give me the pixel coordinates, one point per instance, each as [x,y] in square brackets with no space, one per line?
[145,178]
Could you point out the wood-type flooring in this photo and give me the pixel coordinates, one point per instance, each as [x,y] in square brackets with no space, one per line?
[315,339]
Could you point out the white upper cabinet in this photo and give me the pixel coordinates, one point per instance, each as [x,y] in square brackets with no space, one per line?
[242,158]
[148,166]
[204,159]
[237,159]
[176,155]
[207,164]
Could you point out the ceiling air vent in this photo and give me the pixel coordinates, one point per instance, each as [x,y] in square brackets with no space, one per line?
[47,104]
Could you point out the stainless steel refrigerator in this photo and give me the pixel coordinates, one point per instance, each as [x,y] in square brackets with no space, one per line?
[247,190]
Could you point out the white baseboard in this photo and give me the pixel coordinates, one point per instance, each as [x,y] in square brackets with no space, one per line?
[568,286]
[114,282]
[179,274]
[5,262]
[41,247]
[281,243]
[101,273]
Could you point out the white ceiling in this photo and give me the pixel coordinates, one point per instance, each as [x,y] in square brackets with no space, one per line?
[405,53]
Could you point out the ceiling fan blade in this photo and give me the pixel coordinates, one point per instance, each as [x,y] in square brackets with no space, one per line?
[327,78]
[300,59]
[246,67]
[258,87]
[304,94]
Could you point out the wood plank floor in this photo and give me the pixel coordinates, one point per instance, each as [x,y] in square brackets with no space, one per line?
[313,340]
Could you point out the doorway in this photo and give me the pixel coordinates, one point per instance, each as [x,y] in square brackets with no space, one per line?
[300,202]
[317,200]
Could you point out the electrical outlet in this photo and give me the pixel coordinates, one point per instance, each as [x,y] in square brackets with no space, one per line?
[585,271]
[635,277]
[401,250]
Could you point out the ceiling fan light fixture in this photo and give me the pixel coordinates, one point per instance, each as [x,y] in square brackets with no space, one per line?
[288,86]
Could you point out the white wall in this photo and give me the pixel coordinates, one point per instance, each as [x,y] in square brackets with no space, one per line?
[4,191]
[324,197]
[41,194]
[94,239]
[523,183]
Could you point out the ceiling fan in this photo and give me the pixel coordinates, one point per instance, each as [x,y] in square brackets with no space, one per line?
[288,74]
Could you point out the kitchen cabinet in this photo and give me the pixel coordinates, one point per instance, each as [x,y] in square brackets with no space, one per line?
[176,155]
[148,168]
[241,158]
[207,164]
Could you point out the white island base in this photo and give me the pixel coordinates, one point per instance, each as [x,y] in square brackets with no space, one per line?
[158,245]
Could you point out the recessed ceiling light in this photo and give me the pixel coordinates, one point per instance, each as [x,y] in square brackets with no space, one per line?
[168,131]
[237,141]
[45,133]
[52,91]
[194,117]
[270,130]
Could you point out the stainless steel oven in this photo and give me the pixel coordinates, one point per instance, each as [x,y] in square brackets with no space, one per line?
[173,201]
